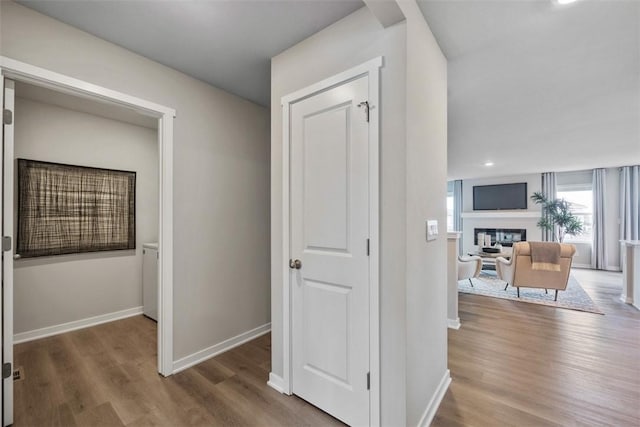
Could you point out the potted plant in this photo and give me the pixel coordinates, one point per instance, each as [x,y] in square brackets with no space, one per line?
[557,217]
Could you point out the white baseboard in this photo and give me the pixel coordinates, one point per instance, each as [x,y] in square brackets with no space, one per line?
[75,325]
[625,299]
[434,403]
[276,382]
[454,323]
[576,265]
[214,350]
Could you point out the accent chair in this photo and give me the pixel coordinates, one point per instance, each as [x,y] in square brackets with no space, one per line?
[518,272]
[469,267]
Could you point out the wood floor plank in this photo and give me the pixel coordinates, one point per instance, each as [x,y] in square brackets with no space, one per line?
[100,416]
[78,385]
[512,364]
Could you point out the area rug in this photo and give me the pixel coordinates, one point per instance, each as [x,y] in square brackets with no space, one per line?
[573,298]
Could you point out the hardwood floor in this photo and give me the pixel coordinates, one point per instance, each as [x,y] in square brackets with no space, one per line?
[106,376]
[518,364]
[512,364]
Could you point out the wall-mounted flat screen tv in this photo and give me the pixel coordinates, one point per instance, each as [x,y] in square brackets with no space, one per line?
[500,196]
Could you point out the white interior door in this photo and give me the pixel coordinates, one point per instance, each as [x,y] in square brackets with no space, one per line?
[329,226]
[7,251]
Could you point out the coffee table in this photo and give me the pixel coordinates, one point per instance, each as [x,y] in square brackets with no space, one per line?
[489,258]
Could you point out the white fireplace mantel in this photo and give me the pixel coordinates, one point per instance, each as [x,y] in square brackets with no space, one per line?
[500,214]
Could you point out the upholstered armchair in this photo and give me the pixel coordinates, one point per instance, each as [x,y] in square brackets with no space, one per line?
[518,271]
[469,267]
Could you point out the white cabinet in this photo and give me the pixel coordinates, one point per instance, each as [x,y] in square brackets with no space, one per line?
[150,280]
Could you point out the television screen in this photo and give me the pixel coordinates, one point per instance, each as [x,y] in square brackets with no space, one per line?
[501,196]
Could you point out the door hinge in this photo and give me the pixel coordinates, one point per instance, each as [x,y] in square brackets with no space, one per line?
[368,380]
[368,251]
[6,243]
[6,370]
[7,117]
[366,106]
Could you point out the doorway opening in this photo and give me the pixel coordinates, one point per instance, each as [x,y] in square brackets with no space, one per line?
[122,107]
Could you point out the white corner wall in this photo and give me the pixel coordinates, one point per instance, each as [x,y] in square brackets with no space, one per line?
[50,291]
[413,114]
[221,174]
[427,375]
[347,43]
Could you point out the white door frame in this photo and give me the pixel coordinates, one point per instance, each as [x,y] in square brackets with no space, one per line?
[371,69]
[20,71]
[7,257]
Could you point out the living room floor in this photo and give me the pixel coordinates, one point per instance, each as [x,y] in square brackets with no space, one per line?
[522,364]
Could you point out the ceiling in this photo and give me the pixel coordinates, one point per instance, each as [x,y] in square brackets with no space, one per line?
[533,86]
[227,43]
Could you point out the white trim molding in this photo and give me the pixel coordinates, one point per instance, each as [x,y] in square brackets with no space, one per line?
[436,399]
[62,328]
[216,349]
[454,323]
[625,299]
[28,73]
[584,266]
[371,69]
[21,71]
[501,214]
[276,382]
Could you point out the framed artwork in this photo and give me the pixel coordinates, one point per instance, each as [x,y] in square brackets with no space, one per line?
[65,209]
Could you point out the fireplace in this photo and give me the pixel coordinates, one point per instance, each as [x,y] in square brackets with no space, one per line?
[504,236]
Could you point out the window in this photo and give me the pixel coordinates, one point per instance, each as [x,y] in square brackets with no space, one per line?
[581,199]
[450,206]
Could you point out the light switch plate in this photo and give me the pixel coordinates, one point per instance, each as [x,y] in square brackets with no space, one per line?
[432,229]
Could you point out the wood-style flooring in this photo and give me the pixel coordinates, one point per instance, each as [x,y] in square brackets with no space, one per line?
[106,376]
[512,364]
[518,364]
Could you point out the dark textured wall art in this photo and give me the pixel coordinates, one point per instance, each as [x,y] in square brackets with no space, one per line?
[65,209]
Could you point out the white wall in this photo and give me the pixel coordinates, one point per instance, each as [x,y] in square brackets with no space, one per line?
[413,175]
[426,172]
[221,175]
[349,42]
[54,290]
[534,183]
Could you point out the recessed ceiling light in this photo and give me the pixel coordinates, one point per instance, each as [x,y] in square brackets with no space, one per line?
[565,1]
[488,163]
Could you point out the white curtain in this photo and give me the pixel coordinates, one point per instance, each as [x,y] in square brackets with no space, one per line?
[598,252]
[630,203]
[549,191]
[457,208]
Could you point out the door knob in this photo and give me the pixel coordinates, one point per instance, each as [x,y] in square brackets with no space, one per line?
[295,264]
